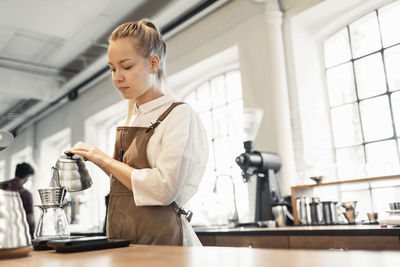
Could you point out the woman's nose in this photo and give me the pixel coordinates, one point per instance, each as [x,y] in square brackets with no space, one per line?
[118,77]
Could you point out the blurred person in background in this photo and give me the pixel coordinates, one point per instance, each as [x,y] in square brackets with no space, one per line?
[22,173]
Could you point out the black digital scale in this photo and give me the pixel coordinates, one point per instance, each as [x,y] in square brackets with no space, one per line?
[79,243]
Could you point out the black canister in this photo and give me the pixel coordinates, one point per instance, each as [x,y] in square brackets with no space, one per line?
[327,212]
[316,211]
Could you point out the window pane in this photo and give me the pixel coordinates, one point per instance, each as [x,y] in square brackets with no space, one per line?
[203,98]
[376,118]
[233,85]
[220,121]
[364,34]
[217,86]
[235,111]
[191,100]
[346,125]
[350,162]
[385,183]
[370,76]
[223,156]
[340,82]
[382,158]
[337,48]
[396,110]
[382,197]
[392,63]
[389,20]
[236,146]
[206,119]
[211,155]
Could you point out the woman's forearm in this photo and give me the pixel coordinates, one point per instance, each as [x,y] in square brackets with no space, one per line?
[118,170]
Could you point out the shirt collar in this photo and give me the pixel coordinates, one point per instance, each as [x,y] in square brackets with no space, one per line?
[155,103]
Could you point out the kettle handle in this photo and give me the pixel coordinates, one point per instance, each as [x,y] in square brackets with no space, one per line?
[55,170]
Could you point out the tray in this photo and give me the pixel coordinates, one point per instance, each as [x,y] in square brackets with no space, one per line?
[86,244]
[41,243]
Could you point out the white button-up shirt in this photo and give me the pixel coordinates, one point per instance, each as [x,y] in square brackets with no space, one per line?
[177,153]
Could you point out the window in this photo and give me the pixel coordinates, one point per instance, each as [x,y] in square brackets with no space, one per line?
[51,148]
[100,131]
[363,81]
[362,64]
[219,104]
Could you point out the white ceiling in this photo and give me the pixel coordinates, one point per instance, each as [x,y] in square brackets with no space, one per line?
[48,47]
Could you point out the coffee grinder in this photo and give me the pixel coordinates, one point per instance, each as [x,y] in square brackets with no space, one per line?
[262,165]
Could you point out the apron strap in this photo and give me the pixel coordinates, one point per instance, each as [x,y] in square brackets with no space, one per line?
[163,116]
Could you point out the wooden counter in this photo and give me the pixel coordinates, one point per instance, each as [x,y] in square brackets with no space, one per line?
[167,256]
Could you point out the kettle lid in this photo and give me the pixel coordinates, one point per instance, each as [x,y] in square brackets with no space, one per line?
[70,157]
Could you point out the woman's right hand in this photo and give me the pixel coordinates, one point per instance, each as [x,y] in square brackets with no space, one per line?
[90,153]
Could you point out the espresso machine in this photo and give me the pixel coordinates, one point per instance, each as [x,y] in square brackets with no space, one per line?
[263,166]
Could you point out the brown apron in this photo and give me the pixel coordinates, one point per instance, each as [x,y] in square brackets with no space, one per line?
[151,225]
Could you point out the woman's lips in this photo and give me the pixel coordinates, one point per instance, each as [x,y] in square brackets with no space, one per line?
[123,89]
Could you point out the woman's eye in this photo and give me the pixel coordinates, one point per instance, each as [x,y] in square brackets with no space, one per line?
[127,68]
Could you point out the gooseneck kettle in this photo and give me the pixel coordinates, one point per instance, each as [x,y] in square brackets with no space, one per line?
[71,173]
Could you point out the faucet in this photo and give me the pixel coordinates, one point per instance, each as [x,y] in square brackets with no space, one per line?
[234,219]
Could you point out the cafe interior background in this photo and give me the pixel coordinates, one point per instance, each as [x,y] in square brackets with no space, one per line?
[324,73]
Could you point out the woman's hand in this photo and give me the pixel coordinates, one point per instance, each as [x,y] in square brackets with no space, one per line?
[90,153]
[121,171]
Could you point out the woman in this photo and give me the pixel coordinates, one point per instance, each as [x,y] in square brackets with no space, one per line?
[161,153]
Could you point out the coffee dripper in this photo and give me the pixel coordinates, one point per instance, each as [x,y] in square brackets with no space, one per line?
[53,222]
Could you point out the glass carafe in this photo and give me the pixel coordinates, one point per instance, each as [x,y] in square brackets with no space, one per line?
[52,223]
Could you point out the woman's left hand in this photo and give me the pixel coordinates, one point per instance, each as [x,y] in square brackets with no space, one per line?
[90,153]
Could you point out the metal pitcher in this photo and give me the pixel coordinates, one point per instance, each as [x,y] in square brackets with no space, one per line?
[329,212]
[71,173]
[316,211]
[14,229]
[303,210]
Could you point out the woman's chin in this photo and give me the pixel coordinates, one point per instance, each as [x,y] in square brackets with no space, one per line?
[126,96]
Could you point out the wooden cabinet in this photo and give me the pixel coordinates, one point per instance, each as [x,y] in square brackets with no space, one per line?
[345,242]
[252,241]
[304,241]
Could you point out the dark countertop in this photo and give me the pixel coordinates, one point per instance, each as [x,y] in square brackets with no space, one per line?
[334,230]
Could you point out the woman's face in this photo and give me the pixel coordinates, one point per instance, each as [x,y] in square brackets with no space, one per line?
[131,73]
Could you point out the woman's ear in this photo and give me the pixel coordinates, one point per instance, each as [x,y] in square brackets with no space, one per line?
[154,63]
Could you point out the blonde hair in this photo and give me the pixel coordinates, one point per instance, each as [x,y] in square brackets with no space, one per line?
[148,42]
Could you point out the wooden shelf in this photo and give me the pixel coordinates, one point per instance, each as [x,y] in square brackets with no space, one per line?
[306,189]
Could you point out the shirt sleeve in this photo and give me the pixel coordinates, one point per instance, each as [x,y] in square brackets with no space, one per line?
[180,159]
